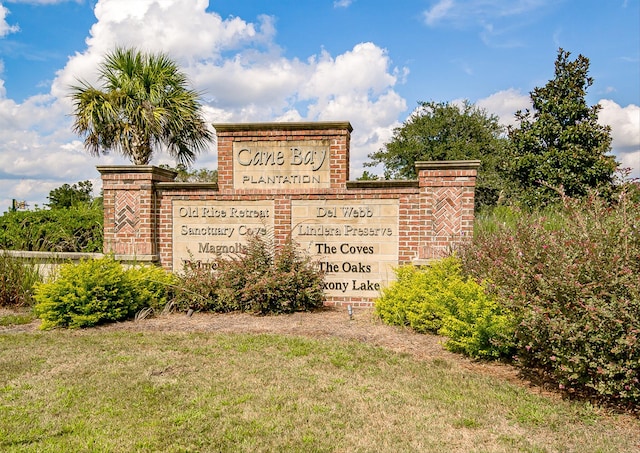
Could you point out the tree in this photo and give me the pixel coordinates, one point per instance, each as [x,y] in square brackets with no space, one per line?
[186,174]
[144,103]
[560,147]
[444,131]
[368,176]
[67,196]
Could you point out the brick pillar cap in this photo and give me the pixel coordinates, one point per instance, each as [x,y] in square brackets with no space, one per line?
[284,126]
[151,169]
[448,165]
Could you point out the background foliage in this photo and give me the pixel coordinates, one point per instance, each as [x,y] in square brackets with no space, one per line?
[444,131]
[187,174]
[17,279]
[75,229]
[67,195]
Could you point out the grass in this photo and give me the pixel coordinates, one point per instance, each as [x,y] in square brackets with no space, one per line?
[96,390]
[16,316]
[17,278]
[16,319]
[489,220]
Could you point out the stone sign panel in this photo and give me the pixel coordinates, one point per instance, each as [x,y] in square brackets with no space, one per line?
[281,164]
[204,231]
[355,242]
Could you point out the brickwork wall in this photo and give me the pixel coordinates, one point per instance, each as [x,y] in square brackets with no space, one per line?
[447,196]
[130,216]
[434,213]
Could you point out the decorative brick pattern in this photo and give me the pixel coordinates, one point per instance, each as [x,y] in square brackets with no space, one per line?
[447,214]
[434,213]
[126,208]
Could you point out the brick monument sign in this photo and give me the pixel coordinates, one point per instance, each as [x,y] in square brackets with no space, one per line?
[291,180]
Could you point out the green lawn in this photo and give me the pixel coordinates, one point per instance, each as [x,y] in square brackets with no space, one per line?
[107,391]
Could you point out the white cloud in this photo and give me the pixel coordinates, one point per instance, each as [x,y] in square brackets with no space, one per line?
[238,66]
[361,70]
[5,28]
[178,27]
[241,81]
[342,3]
[438,12]
[466,12]
[625,130]
[499,22]
[44,2]
[181,28]
[624,120]
[505,104]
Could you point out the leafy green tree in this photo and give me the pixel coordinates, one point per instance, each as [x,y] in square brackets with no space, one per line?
[559,147]
[186,174]
[66,196]
[368,176]
[444,131]
[144,103]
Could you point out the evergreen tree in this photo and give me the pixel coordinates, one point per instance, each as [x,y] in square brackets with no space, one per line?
[67,196]
[559,146]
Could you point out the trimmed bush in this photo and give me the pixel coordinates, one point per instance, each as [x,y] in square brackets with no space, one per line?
[262,279]
[438,299]
[17,279]
[574,287]
[154,287]
[98,291]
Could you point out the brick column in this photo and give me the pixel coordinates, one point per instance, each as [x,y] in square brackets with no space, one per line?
[130,217]
[446,204]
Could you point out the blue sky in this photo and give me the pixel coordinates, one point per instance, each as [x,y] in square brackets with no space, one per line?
[365,61]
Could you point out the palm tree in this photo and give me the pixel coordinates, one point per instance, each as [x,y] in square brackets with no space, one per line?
[144,103]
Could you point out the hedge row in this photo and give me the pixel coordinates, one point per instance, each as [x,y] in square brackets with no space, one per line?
[74,229]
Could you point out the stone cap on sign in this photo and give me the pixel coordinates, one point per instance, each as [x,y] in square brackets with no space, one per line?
[447,173]
[188,185]
[382,184]
[448,165]
[141,169]
[284,126]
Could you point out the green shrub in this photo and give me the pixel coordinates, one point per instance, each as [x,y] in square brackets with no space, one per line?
[262,279]
[198,289]
[437,299]
[414,298]
[154,287]
[574,290]
[476,324]
[291,282]
[98,291]
[17,279]
[76,229]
